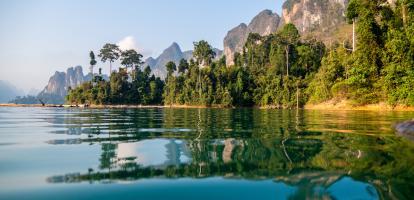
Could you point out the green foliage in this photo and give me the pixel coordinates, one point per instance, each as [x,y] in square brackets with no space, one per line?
[131,59]
[257,78]
[171,68]
[92,57]
[136,87]
[381,69]
[110,52]
[203,53]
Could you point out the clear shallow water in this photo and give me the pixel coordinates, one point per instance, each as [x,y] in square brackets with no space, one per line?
[48,153]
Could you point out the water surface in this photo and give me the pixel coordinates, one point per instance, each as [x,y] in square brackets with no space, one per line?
[56,153]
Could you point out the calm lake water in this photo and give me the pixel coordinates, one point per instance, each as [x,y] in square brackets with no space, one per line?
[48,153]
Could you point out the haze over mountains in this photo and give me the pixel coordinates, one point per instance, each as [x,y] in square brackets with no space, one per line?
[8,91]
[313,18]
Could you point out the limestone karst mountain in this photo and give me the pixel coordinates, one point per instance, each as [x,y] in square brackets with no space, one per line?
[57,87]
[318,19]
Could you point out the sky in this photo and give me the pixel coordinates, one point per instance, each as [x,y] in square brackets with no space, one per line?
[39,37]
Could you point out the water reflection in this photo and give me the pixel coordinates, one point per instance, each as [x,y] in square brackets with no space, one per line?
[321,154]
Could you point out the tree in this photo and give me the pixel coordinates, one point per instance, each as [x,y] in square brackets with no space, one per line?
[171,68]
[183,66]
[289,35]
[203,53]
[109,52]
[352,15]
[131,59]
[92,62]
[147,71]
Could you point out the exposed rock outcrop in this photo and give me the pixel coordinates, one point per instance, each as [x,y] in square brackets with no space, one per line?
[314,15]
[318,18]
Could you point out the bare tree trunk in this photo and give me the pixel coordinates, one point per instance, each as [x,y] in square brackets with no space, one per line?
[287,60]
[353,36]
[404,14]
[297,96]
[199,84]
[110,68]
[92,72]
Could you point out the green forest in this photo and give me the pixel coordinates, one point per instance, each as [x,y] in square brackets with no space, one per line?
[281,70]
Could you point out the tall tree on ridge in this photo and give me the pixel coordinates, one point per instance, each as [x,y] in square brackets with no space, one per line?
[352,15]
[109,52]
[131,59]
[289,36]
[203,53]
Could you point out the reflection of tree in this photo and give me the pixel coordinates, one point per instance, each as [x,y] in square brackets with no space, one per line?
[250,158]
[108,156]
[252,144]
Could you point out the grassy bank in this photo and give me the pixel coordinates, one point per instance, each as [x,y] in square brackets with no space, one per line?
[348,105]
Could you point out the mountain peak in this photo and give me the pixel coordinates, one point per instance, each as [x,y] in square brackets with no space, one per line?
[174,45]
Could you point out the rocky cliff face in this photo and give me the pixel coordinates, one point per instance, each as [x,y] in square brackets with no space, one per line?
[172,53]
[309,16]
[314,15]
[58,85]
[265,23]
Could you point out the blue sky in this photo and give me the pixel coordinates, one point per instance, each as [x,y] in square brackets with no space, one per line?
[39,37]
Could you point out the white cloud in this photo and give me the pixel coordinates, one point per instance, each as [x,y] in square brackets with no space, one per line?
[129,42]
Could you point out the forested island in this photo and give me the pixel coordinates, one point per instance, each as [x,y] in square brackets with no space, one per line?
[281,70]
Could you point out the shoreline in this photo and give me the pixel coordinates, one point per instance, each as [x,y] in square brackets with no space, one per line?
[341,106]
